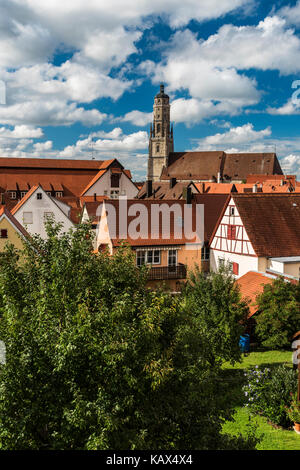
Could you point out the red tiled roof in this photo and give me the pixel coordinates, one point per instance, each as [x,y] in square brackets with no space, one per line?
[69,176]
[207,165]
[24,199]
[251,285]
[93,181]
[214,205]
[272,222]
[147,239]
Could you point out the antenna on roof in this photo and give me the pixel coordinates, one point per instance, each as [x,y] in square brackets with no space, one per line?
[92,154]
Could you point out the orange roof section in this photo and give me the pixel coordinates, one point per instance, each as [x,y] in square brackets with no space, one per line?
[93,181]
[251,285]
[24,199]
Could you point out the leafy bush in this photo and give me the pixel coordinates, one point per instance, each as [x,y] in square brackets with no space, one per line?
[269,392]
[96,361]
[279,317]
[294,411]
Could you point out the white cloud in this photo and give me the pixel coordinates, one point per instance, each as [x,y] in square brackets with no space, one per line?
[291,164]
[115,141]
[21,132]
[292,14]
[288,108]
[43,146]
[138,118]
[238,135]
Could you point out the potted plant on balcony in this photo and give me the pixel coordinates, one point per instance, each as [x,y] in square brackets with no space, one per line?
[294,414]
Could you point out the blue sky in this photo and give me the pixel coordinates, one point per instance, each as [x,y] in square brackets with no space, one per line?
[80,77]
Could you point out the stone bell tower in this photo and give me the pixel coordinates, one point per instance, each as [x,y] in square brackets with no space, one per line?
[161,136]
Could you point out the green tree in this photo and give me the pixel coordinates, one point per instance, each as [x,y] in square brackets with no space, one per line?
[94,360]
[215,301]
[279,314]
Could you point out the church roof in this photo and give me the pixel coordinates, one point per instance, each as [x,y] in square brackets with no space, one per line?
[206,165]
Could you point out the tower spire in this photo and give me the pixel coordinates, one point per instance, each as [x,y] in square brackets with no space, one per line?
[161,135]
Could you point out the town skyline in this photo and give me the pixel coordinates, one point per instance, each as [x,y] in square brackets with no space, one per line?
[231,71]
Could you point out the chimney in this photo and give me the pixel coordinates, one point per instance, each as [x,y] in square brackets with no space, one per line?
[189,195]
[254,188]
[173,181]
[148,188]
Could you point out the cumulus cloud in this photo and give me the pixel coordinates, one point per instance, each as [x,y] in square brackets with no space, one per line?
[288,108]
[291,13]
[137,118]
[238,135]
[113,142]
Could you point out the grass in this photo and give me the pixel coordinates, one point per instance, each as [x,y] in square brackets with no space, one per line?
[272,438]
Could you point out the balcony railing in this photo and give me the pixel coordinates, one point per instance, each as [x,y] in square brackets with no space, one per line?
[167,272]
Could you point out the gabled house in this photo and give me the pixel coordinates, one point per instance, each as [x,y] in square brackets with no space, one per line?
[36,207]
[172,251]
[258,232]
[67,180]
[156,232]
[111,181]
[11,230]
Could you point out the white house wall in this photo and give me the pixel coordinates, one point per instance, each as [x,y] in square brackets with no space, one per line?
[38,207]
[239,250]
[126,186]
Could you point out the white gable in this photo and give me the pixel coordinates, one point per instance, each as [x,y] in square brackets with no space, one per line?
[239,243]
[102,187]
[232,245]
[33,213]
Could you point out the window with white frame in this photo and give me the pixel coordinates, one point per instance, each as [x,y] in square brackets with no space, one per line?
[23,193]
[58,194]
[221,262]
[153,257]
[147,257]
[172,258]
[140,258]
[39,196]
[13,194]
[27,218]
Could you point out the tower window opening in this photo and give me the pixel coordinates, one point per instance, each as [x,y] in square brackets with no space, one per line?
[157,148]
[158,128]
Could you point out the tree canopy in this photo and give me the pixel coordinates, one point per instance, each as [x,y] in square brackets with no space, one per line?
[95,360]
[279,314]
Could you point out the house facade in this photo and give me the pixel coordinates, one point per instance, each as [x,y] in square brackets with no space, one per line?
[36,207]
[258,232]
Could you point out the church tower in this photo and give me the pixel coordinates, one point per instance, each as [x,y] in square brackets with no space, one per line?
[161,136]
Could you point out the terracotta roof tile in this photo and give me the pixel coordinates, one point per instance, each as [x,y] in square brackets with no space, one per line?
[272,222]
[251,285]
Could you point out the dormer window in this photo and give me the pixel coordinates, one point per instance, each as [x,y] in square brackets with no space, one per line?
[23,193]
[59,194]
[13,195]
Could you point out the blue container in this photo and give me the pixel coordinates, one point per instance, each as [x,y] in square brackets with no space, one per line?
[245,343]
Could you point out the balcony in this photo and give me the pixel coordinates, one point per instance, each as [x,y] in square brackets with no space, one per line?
[167,272]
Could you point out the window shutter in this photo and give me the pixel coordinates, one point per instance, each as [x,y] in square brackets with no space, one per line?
[235,268]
